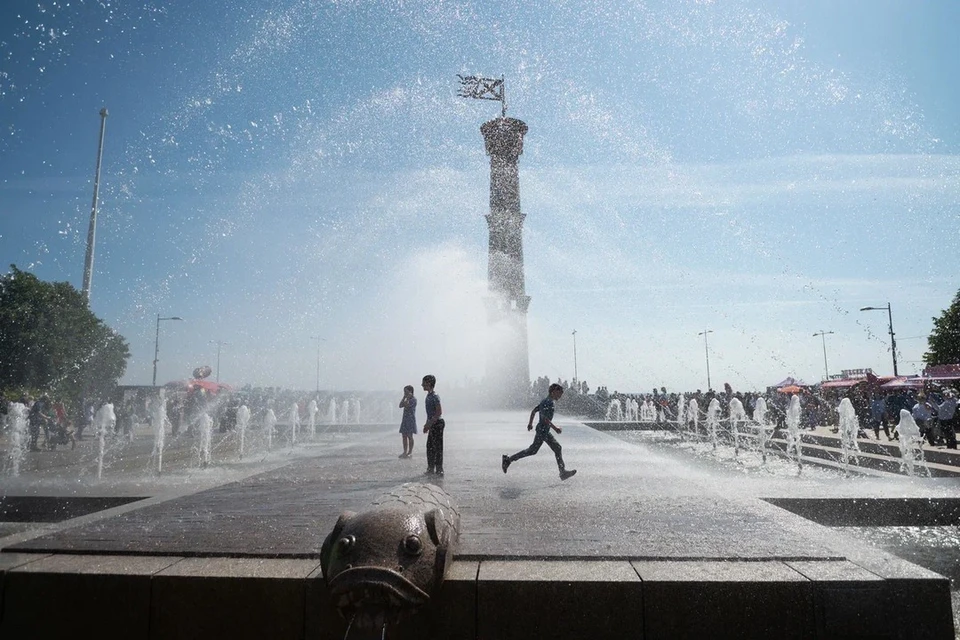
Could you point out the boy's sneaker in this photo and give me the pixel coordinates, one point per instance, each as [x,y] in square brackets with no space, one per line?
[428,472]
[568,474]
[439,473]
[505,463]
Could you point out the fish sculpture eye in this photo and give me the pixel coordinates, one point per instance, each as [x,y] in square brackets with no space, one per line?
[412,545]
[347,542]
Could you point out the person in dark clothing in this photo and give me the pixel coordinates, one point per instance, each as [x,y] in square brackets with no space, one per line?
[878,409]
[545,409]
[433,427]
[39,418]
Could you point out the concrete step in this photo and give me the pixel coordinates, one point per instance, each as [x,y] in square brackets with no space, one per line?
[141,597]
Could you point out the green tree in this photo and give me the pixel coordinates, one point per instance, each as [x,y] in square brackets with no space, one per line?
[943,343]
[51,341]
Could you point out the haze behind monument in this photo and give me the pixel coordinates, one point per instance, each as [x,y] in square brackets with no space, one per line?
[757,172]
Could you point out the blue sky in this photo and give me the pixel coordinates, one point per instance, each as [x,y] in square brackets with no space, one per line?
[278,170]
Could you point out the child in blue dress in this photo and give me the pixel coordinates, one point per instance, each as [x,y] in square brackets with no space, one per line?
[408,425]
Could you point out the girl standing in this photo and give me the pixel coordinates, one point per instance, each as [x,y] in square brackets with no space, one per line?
[408,425]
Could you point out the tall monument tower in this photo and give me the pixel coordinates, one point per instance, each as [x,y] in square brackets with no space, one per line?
[508,365]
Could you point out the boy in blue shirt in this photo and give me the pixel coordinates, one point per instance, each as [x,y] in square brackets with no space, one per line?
[546,408]
[433,427]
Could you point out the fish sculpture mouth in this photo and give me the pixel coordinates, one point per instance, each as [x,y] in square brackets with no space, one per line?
[374,596]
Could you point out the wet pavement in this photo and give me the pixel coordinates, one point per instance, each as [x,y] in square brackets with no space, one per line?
[629,500]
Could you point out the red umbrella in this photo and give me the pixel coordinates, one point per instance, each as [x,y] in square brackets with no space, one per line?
[210,385]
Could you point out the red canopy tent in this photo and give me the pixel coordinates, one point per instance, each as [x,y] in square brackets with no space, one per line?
[207,385]
[842,384]
[790,388]
[942,372]
[211,386]
[789,381]
[904,382]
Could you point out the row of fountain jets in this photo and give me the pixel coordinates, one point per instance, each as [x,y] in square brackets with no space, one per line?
[105,421]
[743,429]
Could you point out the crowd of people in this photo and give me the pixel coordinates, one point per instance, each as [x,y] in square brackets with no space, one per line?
[934,409]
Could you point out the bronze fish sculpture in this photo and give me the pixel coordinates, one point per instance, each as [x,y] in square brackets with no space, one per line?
[386,562]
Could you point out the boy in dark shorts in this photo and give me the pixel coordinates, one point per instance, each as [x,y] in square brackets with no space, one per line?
[543,434]
[433,427]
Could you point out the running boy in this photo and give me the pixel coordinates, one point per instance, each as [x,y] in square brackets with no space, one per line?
[433,427]
[543,433]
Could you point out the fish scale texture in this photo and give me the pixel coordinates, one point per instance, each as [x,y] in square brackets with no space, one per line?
[422,497]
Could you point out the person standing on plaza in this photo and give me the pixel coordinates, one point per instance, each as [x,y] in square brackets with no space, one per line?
[39,418]
[878,410]
[433,427]
[408,424]
[947,417]
[546,409]
[922,413]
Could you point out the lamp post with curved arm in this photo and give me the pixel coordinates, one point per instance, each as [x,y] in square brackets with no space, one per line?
[576,379]
[822,333]
[219,343]
[319,340]
[706,349]
[156,345]
[893,341]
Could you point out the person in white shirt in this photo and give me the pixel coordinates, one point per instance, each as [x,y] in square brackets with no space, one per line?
[947,417]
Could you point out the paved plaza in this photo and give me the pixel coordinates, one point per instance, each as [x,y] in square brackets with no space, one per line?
[660,512]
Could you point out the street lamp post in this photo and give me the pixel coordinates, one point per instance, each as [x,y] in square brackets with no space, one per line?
[575,377]
[706,349]
[156,346]
[219,343]
[893,341]
[822,333]
[319,340]
[92,231]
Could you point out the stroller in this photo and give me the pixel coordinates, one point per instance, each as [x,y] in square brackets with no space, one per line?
[59,432]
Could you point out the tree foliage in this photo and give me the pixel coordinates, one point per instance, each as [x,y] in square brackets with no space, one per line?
[51,341]
[943,343]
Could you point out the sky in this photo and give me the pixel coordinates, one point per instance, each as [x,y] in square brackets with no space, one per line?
[299,181]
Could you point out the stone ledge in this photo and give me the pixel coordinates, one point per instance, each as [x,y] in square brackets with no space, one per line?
[98,565]
[52,596]
[10,561]
[763,599]
[169,597]
[847,599]
[453,616]
[241,568]
[558,599]
[230,597]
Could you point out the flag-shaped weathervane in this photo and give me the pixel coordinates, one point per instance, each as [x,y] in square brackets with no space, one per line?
[480,88]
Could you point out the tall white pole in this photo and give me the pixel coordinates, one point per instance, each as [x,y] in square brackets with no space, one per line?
[823,334]
[706,350]
[92,232]
[575,377]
